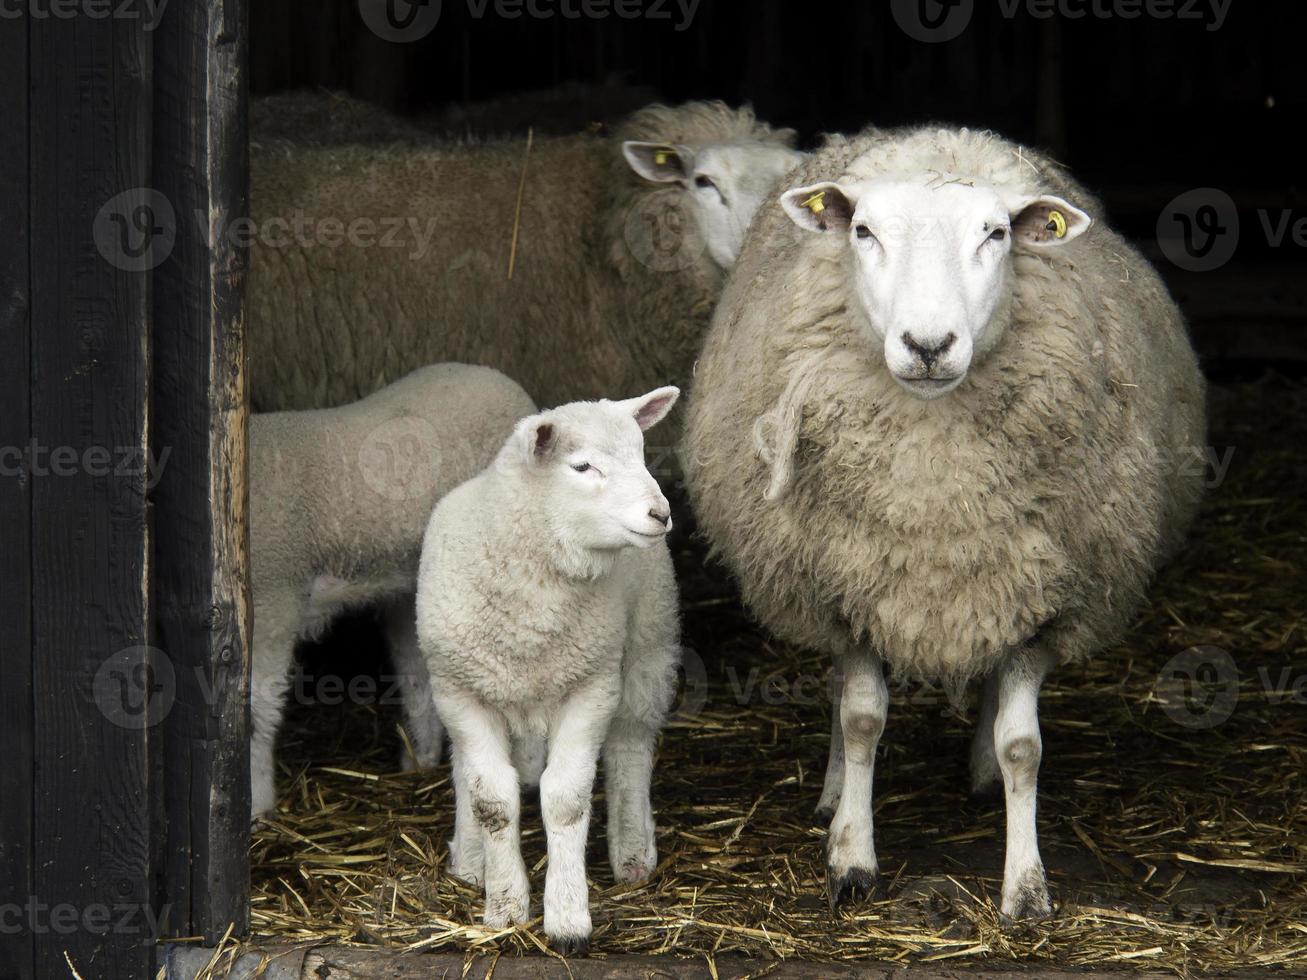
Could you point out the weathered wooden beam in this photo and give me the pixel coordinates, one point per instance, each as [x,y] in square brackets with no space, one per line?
[95,681]
[15,509]
[201,406]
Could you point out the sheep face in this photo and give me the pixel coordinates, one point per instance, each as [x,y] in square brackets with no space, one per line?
[722,184]
[930,262]
[584,464]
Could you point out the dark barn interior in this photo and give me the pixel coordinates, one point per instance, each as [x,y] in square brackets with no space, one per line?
[1172,803]
[1175,847]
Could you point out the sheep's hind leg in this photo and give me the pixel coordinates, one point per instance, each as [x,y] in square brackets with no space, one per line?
[467,853]
[421,720]
[830,787]
[851,866]
[1019,748]
[628,775]
[986,775]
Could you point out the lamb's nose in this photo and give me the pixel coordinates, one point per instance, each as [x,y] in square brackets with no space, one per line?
[661,516]
[929,353]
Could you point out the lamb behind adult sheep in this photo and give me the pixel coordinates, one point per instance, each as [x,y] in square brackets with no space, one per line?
[615,274]
[943,425]
[339,499]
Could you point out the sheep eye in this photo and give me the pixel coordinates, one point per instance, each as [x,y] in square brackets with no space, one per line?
[704,181]
[998,234]
[581,467]
[863,231]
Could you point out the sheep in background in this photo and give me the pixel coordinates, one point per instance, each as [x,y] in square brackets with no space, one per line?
[946,426]
[614,276]
[547,613]
[339,499]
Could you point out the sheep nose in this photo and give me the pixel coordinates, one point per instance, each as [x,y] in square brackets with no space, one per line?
[928,353]
[661,516]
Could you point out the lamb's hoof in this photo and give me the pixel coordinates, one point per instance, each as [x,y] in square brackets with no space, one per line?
[855,885]
[633,872]
[986,795]
[1029,903]
[823,815]
[567,946]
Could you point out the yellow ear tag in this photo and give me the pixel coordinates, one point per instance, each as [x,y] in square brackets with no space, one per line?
[816,204]
[660,158]
[1057,224]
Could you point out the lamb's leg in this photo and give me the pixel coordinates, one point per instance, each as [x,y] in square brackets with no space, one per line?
[274,632]
[851,866]
[1019,748]
[422,721]
[628,775]
[484,773]
[986,775]
[467,853]
[566,789]
[830,788]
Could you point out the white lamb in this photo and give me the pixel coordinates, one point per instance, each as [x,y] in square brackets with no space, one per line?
[547,613]
[338,502]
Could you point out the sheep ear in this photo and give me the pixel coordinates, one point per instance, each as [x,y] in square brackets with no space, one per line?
[662,163]
[819,207]
[652,408]
[541,438]
[1048,222]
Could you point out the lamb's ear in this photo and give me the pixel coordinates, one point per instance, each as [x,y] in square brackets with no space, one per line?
[1047,222]
[648,410]
[662,163]
[819,207]
[539,438]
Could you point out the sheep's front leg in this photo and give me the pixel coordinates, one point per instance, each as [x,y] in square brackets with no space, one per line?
[467,852]
[834,782]
[628,775]
[1019,748]
[566,788]
[489,795]
[275,622]
[422,721]
[986,774]
[851,866]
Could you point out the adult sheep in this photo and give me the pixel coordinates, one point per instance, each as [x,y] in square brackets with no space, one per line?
[943,425]
[617,255]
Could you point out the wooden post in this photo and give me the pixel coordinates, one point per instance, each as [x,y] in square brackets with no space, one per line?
[15,513]
[201,404]
[94,685]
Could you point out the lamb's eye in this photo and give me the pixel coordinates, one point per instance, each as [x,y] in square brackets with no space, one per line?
[863,231]
[998,234]
[704,181]
[581,467]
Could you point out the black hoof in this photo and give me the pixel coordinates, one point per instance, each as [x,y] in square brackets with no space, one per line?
[823,815]
[986,796]
[856,885]
[570,945]
[1031,905]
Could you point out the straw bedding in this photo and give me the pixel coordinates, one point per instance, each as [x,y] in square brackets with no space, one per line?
[1169,846]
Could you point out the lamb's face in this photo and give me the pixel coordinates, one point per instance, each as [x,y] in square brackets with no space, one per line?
[585,462]
[930,264]
[723,184]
